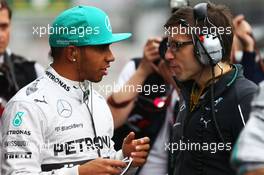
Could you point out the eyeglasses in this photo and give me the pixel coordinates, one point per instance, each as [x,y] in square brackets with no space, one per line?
[175,46]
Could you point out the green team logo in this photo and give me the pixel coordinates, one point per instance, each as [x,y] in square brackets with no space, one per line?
[17,121]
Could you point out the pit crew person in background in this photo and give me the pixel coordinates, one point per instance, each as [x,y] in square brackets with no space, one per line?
[247,156]
[15,71]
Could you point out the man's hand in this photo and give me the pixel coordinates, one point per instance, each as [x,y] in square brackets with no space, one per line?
[136,148]
[150,55]
[243,31]
[102,167]
[151,49]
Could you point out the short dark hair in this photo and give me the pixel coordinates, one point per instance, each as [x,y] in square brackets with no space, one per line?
[4,5]
[56,52]
[219,15]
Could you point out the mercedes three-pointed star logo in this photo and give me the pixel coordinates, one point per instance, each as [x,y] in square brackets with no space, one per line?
[107,24]
[64,108]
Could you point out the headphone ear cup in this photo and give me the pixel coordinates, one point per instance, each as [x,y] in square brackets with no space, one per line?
[212,45]
[209,46]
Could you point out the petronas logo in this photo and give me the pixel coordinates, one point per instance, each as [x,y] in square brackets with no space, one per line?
[17,121]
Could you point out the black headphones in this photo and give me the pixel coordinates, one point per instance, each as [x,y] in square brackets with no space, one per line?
[208,48]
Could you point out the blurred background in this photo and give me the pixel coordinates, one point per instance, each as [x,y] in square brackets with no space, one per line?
[143,18]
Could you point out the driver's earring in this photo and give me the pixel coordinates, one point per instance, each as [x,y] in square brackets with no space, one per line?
[74,55]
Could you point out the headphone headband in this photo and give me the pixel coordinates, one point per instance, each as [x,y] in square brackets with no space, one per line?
[200,11]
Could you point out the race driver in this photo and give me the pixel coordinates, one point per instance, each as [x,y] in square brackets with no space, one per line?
[58,124]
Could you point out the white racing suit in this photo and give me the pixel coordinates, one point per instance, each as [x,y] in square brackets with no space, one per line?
[47,128]
[248,153]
